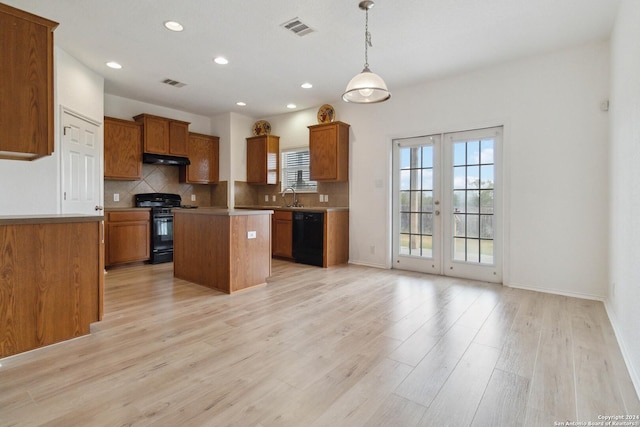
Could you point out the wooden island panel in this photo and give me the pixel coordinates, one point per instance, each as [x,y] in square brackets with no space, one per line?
[51,278]
[212,248]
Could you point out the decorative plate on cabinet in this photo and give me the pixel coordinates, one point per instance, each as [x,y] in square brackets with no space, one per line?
[261,127]
[326,114]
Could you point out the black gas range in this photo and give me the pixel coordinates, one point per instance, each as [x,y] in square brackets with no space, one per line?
[161,205]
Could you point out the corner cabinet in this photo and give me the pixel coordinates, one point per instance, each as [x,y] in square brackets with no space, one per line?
[122,149]
[26,85]
[204,155]
[329,152]
[161,135]
[263,159]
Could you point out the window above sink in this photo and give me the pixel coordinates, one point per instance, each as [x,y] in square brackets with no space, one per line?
[294,170]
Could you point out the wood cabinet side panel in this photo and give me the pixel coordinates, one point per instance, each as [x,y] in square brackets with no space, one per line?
[256,160]
[343,152]
[201,250]
[50,283]
[336,238]
[250,258]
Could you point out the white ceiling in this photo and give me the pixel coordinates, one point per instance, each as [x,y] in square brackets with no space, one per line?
[413,41]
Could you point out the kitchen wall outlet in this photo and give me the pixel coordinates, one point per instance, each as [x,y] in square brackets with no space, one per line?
[326,198]
[321,198]
[266,197]
[251,234]
[193,197]
[116,197]
[273,198]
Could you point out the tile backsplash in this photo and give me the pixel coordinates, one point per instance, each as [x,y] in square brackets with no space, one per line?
[164,179]
[254,195]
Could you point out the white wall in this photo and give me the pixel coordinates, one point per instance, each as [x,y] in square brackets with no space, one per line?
[555,148]
[126,109]
[34,187]
[233,129]
[624,257]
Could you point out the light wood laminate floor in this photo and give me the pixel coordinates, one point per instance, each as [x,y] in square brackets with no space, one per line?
[346,346]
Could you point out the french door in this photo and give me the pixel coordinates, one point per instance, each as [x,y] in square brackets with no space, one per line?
[447,204]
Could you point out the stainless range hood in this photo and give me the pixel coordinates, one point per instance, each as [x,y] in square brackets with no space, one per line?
[162,159]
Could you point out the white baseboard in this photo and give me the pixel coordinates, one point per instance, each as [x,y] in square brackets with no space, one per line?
[557,292]
[635,377]
[368,264]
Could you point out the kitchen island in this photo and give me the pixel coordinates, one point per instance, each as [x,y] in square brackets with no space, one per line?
[224,249]
[51,279]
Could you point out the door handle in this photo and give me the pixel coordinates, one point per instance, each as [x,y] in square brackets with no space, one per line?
[99,208]
[437,213]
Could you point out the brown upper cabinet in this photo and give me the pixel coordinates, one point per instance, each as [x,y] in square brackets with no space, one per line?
[263,159]
[161,135]
[329,152]
[26,85]
[204,155]
[122,149]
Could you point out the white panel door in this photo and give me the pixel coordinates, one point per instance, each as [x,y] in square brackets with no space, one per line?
[447,204]
[82,165]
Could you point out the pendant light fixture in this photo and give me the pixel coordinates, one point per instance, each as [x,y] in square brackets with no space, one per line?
[366,87]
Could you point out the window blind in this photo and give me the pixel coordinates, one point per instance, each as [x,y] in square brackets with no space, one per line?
[295,170]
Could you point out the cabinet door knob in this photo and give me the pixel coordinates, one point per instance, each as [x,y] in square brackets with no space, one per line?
[99,208]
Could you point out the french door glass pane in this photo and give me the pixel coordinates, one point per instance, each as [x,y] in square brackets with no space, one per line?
[416,201]
[473,201]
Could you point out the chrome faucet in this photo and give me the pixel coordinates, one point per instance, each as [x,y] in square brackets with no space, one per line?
[294,203]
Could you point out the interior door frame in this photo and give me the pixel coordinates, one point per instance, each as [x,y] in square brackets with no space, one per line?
[66,110]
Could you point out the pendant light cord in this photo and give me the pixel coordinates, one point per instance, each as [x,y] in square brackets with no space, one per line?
[367,39]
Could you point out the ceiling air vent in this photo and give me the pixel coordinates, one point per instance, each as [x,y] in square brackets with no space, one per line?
[297,27]
[173,83]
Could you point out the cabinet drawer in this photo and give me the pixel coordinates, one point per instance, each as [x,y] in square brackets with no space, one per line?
[128,216]
[283,215]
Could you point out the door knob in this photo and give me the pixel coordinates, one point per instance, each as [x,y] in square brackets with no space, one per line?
[437,213]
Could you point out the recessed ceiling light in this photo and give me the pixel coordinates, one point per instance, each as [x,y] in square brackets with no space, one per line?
[173,26]
[306,85]
[291,106]
[114,65]
[221,60]
[241,104]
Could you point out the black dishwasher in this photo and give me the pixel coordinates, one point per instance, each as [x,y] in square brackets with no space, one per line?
[308,237]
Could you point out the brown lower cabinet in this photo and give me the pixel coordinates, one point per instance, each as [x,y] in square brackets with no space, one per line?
[127,236]
[282,241]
